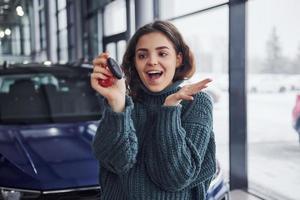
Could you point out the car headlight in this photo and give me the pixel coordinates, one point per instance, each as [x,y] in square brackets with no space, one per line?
[18,194]
[10,194]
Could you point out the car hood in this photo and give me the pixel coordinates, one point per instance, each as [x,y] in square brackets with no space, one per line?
[48,157]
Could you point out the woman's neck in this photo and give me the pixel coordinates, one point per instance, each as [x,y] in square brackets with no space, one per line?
[158,98]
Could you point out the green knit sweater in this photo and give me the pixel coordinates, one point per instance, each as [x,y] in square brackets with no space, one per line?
[156,152]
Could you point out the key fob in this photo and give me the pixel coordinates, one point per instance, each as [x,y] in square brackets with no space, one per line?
[106,82]
[114,68]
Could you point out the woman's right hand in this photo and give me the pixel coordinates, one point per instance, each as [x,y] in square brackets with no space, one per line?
[115,94]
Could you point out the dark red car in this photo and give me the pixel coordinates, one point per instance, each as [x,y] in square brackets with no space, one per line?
[296,115]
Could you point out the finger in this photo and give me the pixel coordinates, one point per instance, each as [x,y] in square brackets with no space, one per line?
[103,55]
[184,96]
[100,61]
[199,88]
[202,82]
[196,87]
[106,54]
[193,89]
[99,76]
[187,97]
[102,70]
[99,69]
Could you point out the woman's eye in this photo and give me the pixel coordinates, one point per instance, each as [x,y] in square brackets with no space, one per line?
[163,54]
[141,56]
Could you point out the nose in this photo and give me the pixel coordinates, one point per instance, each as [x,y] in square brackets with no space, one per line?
[152,60]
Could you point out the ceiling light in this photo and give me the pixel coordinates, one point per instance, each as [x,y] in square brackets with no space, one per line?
[19,9]
[21,13]
[47,63]
[7,31]
[2,34]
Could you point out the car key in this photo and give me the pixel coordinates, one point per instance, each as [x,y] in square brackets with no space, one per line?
[115,70]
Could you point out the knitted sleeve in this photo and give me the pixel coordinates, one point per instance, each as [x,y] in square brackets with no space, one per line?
[178,154]
[115,143]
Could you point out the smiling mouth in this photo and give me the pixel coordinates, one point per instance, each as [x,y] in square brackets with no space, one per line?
[154,74]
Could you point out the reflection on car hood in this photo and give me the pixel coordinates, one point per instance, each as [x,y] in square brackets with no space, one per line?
[46,157]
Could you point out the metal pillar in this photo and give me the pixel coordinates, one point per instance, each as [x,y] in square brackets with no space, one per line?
[143,12]
[237,95]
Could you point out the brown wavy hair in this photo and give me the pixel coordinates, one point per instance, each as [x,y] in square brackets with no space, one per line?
[171,32]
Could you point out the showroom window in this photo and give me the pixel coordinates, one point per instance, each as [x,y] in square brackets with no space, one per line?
[25,35]
[117,27]
[5,41]
[25,32]
[92,29]
[62,31]
[117,50]
[16,40]
[175,8]
[115,18]
[42,24]
[273,85]
[210,48]
[71,16]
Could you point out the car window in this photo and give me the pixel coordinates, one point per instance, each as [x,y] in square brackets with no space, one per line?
[46,97]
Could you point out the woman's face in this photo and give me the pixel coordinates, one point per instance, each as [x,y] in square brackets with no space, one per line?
[156,61]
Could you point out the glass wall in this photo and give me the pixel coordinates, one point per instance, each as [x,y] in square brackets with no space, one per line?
[115,18]
[42,25]
[62,31]
[71,17]
[115,22]
[5,40]
[15,37]
[25,36]
[92,29]
[16,40]
[121,48]
[111,48]
[174,8]
[207,35]
[273,83]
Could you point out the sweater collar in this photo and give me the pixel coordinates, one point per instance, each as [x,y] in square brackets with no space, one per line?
[158,98]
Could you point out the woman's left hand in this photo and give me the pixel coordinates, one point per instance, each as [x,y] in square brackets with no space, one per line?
[186,93]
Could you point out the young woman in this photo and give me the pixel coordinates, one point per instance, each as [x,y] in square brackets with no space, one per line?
[155,139]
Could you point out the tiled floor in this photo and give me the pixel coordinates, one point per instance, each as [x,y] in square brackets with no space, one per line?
[242,195]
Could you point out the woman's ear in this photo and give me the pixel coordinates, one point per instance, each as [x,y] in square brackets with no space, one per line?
[178,60]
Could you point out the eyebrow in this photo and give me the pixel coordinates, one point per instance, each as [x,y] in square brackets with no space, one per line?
[157,48]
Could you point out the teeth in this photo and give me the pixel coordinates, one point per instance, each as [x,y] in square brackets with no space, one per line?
[154,72]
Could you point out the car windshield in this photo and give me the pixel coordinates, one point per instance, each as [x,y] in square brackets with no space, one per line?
[47,97]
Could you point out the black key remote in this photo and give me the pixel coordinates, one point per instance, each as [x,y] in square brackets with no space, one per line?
[114,68]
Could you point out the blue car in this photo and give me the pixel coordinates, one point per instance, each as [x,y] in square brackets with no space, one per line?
[48,118]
